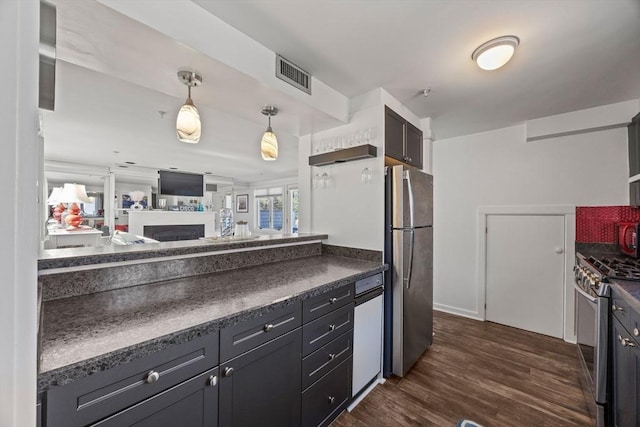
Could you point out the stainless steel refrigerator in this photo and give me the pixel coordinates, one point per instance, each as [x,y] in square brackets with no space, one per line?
[409,253]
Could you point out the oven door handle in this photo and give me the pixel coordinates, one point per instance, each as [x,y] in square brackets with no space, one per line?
[584,294]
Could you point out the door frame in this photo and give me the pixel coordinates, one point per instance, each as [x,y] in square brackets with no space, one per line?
[569,213]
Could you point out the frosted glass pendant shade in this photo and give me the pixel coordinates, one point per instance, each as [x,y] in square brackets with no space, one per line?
[269,145]
[495,53]
[188,126]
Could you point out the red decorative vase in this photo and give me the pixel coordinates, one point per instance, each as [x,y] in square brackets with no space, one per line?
[57,212]
[73,219]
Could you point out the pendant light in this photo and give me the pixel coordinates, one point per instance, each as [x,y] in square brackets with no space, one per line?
[495,53]
[269,143]
[188,126]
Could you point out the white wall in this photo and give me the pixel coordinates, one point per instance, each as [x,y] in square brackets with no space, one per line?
[20,223]
[500,168]
[350,212]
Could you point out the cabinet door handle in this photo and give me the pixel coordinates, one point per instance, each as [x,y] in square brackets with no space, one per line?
[636,332]
[333,300]
[228,371]
[616,308]
[152,377]
[332,327]
[213,380]
[331,400]
[626,342]
[267,327]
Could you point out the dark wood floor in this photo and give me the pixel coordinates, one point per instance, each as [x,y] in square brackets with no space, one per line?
[492,374]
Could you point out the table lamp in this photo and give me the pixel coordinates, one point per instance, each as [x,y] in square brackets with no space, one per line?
[54,200]
[73,194]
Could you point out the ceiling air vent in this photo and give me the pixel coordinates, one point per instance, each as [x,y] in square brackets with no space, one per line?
[292,74]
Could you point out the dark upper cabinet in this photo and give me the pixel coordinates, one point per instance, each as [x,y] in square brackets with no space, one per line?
[402,140]
[634,159]
[263,386]
[194,403]
[634,145]
[394,127]
[626,377]
[413,143]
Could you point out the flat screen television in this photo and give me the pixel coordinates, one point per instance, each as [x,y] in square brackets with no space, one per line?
[180,184]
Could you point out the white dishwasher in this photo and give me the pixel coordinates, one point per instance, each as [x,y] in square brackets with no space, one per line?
[367,332]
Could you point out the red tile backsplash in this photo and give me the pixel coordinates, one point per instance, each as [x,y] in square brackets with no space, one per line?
[596,224]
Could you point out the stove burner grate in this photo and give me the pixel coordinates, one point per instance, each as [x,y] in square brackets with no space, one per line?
[618,268]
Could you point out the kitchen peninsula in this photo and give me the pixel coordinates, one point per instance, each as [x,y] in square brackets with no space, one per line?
[123,314]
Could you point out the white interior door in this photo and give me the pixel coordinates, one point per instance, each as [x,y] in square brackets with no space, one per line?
[525,272]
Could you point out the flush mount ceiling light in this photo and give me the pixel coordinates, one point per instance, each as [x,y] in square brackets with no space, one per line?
[269,143]
[188,125]
[495,53]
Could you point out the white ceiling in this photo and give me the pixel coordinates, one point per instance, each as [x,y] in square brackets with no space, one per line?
[114,74]
[573,54]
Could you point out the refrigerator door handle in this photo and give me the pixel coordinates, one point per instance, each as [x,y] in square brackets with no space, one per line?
[407,177]
[412,237]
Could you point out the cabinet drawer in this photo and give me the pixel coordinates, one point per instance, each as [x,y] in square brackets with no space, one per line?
[104,393]
[190,403]
[621,309]
[323,330]
[244,336]
[322,304]
[323,401]
[321,361]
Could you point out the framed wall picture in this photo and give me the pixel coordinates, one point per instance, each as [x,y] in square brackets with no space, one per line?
[242,203]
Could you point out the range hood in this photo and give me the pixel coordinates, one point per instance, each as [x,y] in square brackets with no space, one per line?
[47,78]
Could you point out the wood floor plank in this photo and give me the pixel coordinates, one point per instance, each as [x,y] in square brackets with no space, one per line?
[496,375]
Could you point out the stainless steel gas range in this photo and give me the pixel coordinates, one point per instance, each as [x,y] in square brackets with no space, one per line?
[592,299]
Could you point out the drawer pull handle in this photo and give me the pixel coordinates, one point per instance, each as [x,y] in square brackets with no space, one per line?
[332,327]
[213,380]
[636,332]
[152,377]
[228,371]
[626,342]
[268,327]
[333,300]
[331,400]
[332,356]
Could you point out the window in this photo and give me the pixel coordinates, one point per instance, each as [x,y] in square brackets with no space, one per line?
[293,208]
[269,208]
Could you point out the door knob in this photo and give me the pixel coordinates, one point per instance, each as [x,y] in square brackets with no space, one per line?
[558,250]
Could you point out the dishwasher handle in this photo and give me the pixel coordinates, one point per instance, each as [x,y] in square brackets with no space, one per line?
[369,295]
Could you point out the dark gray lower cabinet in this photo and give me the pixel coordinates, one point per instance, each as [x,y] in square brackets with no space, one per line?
[626,377]
[322,401]
[262,387]
[194,403]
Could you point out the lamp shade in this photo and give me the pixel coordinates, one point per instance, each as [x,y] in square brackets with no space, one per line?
[74,193]
[495,53]
[188,126]
[54,198]
[269,145]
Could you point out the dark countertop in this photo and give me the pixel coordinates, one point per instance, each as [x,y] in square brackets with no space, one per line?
[89,333]
[73,257]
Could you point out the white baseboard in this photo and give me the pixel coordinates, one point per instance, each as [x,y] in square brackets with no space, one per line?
[364,394]
[457,311]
